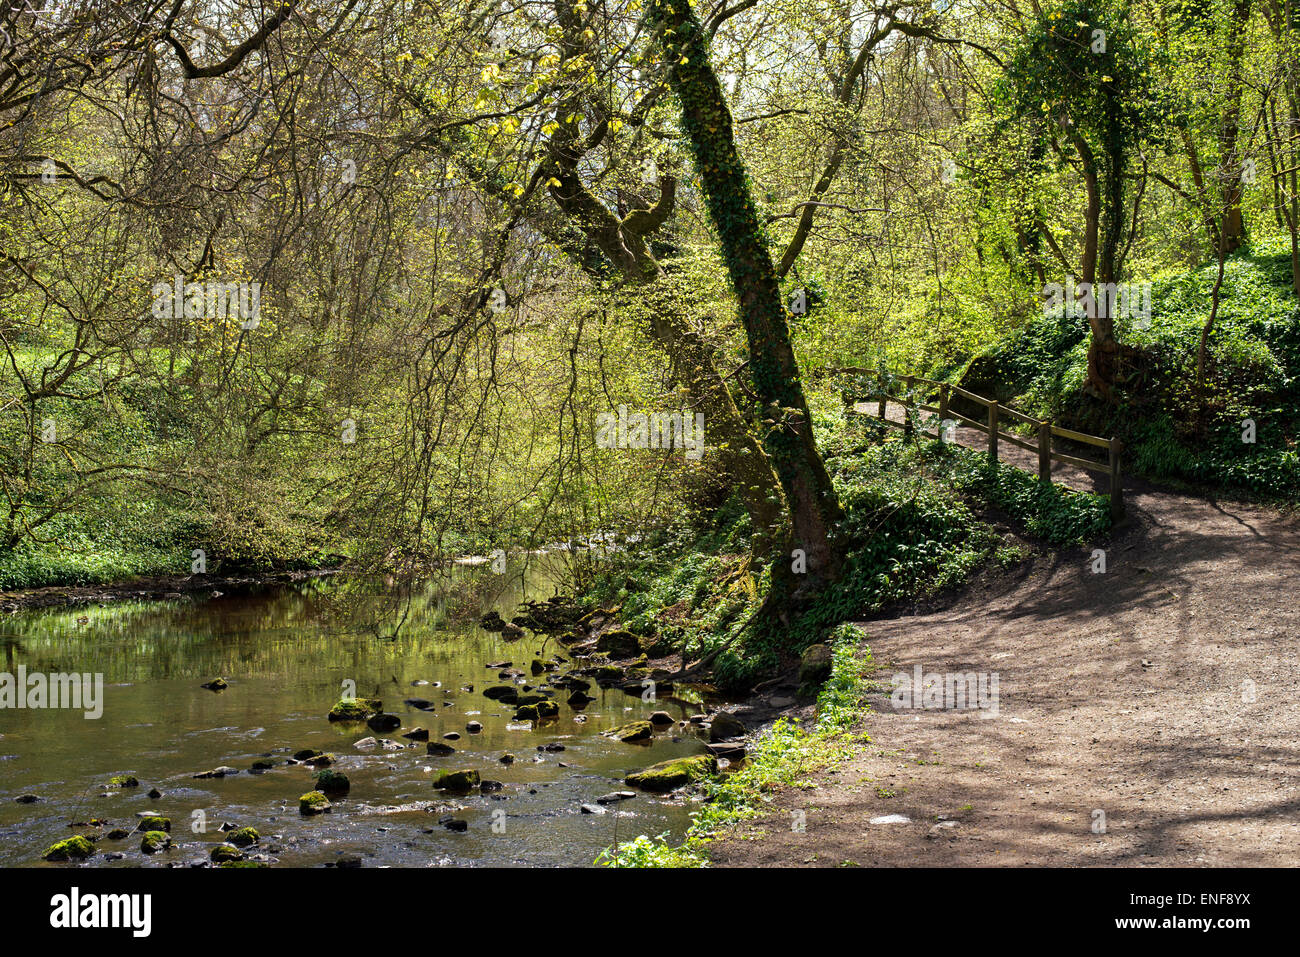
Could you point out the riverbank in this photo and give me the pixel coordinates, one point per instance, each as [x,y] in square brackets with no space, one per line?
[151,588]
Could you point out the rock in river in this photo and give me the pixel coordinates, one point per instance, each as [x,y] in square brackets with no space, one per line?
[220,772]
[632,732]
[76,848]
[224,852]
[332,782]
[313,802]
[725,725]
[613,797]
[667,775]
[379,723]
[457,781]
[619,644]
[155,841]
[355,709]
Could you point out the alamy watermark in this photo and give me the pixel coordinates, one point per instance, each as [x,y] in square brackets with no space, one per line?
[208,300]
[946,691]
[1116,300]
[38,691]
[654,430]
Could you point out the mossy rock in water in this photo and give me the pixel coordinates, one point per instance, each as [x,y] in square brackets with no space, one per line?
[355,709]
[333,782]
[76,848]
[633,731]
[154,823]
[244,837]
[242,864]
[460,781]
[603,673]
[313,802]
[155,841]
[619,644]
[507,694]
[546,708]
[224,853]
[123,781]
[667,775]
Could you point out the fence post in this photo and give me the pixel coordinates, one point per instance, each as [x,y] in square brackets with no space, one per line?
[943,408]
[993,431]
[907,409]
[1045,450]
[883,393]
[1116,481]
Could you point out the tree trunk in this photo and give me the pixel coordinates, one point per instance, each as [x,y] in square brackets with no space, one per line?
[814,507]
[743,458]
[1097,261]
[1233,228]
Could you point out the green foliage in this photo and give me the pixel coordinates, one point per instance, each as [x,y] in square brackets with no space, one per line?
[1083,67]
[1051,512]
[1253,372]
[910,530]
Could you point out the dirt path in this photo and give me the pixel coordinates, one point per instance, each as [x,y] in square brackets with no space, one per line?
[1162,694]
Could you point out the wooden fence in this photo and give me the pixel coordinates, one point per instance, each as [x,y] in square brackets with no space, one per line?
[916,387]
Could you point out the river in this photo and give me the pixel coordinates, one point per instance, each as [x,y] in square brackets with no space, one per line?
[286,654]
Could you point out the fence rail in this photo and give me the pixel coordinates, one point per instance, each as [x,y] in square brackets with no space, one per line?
[918,387]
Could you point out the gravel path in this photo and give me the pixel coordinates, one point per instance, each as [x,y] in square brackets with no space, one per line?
[1158,699]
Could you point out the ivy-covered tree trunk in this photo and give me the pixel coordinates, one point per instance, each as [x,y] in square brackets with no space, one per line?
[706,118]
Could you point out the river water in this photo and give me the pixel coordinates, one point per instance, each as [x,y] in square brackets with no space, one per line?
[286,654]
